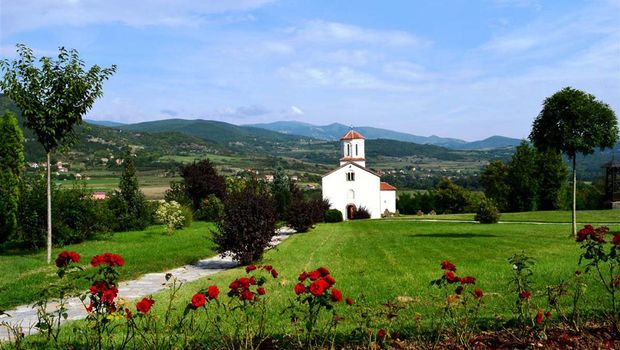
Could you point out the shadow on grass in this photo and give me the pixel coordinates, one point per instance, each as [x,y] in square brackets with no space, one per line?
[451,235]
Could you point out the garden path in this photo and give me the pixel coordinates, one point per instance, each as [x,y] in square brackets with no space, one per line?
[25,316]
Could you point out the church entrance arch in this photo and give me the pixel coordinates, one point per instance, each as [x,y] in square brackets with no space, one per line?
[351,209]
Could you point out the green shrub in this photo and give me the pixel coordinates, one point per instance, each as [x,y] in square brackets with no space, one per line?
[361,213]
[318,207]
[333,215]
[487,212]
[171,215]
[211,209]
[248,223]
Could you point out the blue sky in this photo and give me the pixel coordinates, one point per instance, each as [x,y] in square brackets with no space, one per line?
[465,69]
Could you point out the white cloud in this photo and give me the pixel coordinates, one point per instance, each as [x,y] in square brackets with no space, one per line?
[294,110]
[27,15]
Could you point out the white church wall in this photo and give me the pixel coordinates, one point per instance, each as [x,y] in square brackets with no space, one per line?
[388,201]
[364,191]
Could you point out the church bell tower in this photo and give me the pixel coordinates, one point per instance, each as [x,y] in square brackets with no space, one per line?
[353,148]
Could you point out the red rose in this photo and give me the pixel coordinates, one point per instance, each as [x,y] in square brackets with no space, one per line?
[317,288]
[349,301]
[323,271]
[468,280]
[447,265]
[261,291]
[336,295]
[616,239]
[586,231]
[213,292]
[250,268]
[268,268]
[246,295]
[525,294]
[539,317]
[302,276]
[243,282]
[451,277]
[65,258]
[107,259]
[198,300]
[314,275]
[144,305]
[381,333]
[98,286]
[477,294]
[548,314]
[252,280]
[108,295]
[330,280]
[274,273]
[300,288]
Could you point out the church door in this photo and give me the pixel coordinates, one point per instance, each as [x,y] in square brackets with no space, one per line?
[351,208]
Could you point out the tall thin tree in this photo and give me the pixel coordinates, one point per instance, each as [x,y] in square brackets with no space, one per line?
[572,121]
[11,166]
[53,95]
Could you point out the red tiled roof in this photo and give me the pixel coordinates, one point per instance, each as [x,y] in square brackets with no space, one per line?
[352,135]
[387,187]
[351,159]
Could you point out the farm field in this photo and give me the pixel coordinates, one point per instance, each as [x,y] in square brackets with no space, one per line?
[25,275]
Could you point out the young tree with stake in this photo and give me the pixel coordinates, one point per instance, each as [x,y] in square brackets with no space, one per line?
[53,95]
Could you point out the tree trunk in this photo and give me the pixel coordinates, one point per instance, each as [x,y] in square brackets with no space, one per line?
[49,210]
[574,196]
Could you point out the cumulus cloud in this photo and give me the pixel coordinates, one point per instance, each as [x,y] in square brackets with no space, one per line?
[241,112]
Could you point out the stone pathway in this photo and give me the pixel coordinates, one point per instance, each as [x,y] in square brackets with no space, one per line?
[26,317]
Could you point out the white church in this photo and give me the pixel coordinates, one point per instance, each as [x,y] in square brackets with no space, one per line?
[352,185]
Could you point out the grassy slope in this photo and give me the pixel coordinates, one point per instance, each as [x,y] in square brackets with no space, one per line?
[558,216]
[386,259]
[25,275]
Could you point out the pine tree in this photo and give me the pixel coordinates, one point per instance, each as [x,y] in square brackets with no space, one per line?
[11,166]
[128,203]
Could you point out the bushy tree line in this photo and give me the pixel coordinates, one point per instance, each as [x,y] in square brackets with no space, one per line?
[446,198]
[530,180]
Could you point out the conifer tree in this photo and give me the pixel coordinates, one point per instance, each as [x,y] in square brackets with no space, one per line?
[11,166]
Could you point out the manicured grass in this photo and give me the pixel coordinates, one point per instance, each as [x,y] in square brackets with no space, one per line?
[556,216]
[380,260]
[25,275]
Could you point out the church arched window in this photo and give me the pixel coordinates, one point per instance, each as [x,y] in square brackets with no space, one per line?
[348,149]
[350,195]
[350,176]
[356,150]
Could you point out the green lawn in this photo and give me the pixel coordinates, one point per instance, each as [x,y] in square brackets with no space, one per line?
[25,275]
[557,216]
[382,260]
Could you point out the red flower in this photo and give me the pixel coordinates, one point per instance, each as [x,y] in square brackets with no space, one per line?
[300,288]
[108,295]
[198,300]
[336,295]
[98,286]
[128,314]
[468,280]
[459,290]
[525,294]
[250,268]
[213,292]
[314,275]
[246,295]
[252,280]
[349,301]
[548,314]
[268,268]
[274,273]
[586,231]
[323,271]
[144,305]
[395,335]
[261,291]
[302,276]
[381,333]
[90,306]
[616,239]
[330,280]
[539,317]
[107,259]
[447,265]
[317,288]
[451,277]
[477,294]
[65,258]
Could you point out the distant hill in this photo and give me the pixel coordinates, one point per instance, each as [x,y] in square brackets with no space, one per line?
[333,132]
[103,123]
